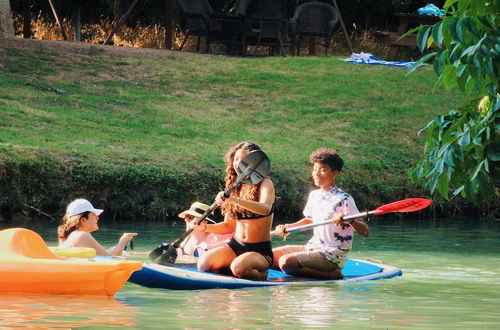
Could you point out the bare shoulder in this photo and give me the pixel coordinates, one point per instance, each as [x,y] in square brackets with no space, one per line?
[77,234]
[82,238]
[267,182]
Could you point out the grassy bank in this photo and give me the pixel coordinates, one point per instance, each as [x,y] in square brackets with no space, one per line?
[143,131]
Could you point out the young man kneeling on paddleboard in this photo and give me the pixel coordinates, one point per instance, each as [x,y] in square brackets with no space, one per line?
[80,220]
[325,253]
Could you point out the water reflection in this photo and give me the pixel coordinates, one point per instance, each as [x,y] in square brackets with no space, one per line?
[277,307]
[230,307]
[54,311]
[306,306]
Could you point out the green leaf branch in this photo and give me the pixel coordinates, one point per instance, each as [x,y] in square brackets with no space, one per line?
[462,147]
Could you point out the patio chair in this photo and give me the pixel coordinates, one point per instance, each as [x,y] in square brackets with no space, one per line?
[264,23]
[314,19]
[199,19]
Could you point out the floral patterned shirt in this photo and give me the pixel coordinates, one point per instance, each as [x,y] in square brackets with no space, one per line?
[322,206]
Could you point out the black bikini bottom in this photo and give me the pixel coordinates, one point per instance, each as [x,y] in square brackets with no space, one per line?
[264,248]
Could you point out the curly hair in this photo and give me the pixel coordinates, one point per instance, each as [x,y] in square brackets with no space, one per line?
[327,157]
[231,175]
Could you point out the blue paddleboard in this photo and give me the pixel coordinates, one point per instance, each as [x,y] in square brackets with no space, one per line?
[180,278]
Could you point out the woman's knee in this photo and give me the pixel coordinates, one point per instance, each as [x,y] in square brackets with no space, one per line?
[203,265]
[206,263]
[251,272]
[239,270]
[246,265]
[241,267]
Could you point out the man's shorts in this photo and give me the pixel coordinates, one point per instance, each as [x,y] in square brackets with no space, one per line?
[318,260]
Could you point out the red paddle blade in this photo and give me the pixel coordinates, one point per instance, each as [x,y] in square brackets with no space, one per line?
[405,205]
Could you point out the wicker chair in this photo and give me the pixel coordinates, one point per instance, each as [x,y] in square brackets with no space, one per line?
[264,23]
[314,19]
[199,19]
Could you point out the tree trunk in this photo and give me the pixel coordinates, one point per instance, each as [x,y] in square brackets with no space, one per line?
[26,19]
[77,26]
[6,25]
[117,10]
[169,24]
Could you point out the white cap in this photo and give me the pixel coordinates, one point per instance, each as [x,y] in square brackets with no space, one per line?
[79,206]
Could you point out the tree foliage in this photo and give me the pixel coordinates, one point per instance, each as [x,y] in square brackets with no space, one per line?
[463,146]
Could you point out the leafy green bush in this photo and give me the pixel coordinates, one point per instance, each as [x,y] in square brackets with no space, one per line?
[464,145]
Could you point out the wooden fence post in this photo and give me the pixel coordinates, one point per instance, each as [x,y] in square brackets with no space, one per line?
[169,24]
[58,21]
[26,19]
[77,27]
[342,26]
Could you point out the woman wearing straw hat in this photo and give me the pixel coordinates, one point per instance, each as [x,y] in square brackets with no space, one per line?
[199,241]
[80,220]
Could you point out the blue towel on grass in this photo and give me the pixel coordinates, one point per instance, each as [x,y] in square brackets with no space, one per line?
[367,58]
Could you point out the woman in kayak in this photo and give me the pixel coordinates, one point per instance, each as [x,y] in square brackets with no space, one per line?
[79,222]
[248,212]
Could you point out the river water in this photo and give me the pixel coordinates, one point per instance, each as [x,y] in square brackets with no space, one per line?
[450,281]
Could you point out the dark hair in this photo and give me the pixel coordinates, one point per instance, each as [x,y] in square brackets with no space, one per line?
[327,157]
[85,214]
[231,176]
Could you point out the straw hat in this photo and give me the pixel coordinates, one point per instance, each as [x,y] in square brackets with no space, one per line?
[197,209]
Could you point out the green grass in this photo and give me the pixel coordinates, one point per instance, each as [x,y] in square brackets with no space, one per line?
[181,112]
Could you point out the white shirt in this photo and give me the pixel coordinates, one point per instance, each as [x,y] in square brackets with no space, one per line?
[322,206]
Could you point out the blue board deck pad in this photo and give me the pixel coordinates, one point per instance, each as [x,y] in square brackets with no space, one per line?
[187,277]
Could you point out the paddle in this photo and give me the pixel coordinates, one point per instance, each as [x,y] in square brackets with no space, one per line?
[405,205]
[253,169]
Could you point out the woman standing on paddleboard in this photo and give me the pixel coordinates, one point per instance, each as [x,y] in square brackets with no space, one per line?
[248,212]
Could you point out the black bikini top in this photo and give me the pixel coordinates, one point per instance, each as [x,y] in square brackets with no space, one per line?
[250,215]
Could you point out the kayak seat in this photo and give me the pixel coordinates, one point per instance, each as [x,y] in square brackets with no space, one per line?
[24,242]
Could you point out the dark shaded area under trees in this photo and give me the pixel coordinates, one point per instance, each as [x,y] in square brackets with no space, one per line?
[358,14]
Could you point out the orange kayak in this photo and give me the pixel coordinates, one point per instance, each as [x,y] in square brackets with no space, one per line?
[27,265]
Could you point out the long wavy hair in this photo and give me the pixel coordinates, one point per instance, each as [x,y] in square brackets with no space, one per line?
[69,225]
[231,175]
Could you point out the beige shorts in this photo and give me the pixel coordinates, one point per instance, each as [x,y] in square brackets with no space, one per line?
[315,259]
